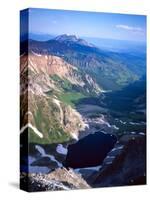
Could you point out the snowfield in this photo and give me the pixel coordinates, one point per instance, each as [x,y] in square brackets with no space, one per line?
[61,150]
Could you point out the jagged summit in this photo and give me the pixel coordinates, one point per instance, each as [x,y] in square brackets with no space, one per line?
[72,39]
[67,37]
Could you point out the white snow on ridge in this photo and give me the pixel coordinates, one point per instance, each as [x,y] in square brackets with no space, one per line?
[117,148]
[61,150]
[36,54]
[57,102]
[43,154]
[86,125]
[122,122]
[141,133]
[108,124]
[28,125]
[115,127]
[74,136]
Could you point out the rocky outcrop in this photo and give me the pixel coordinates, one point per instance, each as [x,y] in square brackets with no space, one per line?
[60,179]
[128,165]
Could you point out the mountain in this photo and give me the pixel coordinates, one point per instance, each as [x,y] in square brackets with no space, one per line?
[114,72]
[55,76]
[71,90]
[48,84]
[59,69]
[72,39]
[46,80]
[120,46]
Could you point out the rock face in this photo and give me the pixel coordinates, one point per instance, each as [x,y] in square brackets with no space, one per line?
[60,179]
[128,167]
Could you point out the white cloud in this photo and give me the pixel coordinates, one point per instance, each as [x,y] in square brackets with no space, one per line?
[129,28]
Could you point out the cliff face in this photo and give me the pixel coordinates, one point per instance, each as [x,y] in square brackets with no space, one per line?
[128,167]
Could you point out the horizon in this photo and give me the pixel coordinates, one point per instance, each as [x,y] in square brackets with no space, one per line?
[81,37]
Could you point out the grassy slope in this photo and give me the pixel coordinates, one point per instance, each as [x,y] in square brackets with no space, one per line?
[71,98]
[46,116]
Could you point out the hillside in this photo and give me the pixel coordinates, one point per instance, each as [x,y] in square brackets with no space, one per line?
[115,73]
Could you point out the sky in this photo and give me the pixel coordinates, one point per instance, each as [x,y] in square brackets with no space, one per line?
[87,24]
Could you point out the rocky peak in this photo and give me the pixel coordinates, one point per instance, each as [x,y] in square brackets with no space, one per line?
[66,37]
[72,39]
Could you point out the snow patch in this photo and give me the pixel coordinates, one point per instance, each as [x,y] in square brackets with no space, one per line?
[122,122]
[141,133]
[115,127]
[57,102]
[33,128]
[117,148]
[111,157]
[133,132]
[61,150]
[74,136]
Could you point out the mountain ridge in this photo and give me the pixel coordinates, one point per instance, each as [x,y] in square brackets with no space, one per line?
[114,73]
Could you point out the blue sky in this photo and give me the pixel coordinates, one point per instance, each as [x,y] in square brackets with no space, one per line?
[89,24]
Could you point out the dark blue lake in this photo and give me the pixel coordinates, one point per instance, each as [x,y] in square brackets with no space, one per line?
[90,151]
